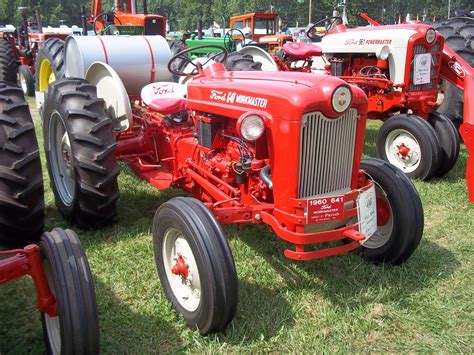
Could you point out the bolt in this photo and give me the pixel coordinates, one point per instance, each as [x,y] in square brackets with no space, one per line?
[258,217]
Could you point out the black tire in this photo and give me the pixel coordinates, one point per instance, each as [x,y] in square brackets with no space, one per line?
[207,252]
[26,80]
[449,141]
[178,65]
[21,179]
[8,63]
[458,35]
[396,240]
[80,153]
[52,51]
[237,61]
[76,328]
[415,133]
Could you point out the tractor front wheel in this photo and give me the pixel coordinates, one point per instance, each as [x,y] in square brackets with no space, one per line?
[399,214]
[195,264]
[411,144]
[26,80]
[80,153]
[21,178]
[75,330]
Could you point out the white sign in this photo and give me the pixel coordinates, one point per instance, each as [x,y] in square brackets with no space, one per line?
[422,69]
[367,213]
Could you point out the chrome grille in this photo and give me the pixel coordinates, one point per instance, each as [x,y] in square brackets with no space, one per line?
[326,153]
[435,54]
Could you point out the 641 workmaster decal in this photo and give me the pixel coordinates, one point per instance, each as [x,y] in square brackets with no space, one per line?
[234,98]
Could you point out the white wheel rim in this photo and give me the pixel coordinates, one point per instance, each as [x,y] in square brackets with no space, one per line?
[403,150]
[187,290]
[383,233]
[53,328]
[23,84]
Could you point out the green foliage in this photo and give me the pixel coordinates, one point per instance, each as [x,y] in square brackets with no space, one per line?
[184,14]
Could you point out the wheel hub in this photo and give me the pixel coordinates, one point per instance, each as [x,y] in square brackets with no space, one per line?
[66,154]
[180,268]
[403,150]
[383,212]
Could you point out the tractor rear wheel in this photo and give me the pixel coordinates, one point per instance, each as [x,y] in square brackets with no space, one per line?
[49,63]
[8,65]
[80,153]
[178,65]
[21,179]
[400,217]
[449,141]
[75,330]
[26,80]
[459,36]
[237,61]
[195,264]
[411,144]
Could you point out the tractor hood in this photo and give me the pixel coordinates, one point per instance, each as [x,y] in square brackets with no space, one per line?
[281,95]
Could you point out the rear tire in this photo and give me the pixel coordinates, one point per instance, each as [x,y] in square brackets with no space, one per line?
[80,153]
[400,218]
[49,63]
[195,264]
[21,179]
[8,64]
[411,144]
[449,141]
[76,328]
[26,80]
[176,47]
[237,61]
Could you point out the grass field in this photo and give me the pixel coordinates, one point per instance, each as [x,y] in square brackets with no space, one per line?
[340,304]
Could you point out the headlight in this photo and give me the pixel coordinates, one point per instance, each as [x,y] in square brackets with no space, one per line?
[251,127]
[341,99]
[382,52]
[430,35]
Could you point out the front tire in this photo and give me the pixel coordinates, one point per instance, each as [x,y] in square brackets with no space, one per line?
[26,80]
[411,144]
[400,218]
[80,153]
[21,178]
[195,264]
[76,328]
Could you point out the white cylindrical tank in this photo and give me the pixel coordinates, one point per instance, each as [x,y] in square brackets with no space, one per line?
[138,60]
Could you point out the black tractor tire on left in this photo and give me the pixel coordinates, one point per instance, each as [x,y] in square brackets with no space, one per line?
[415,133]
[75,330]
[400,208]
[449,141]
[80,153]
[50,59]
[207,296]
[21,178]
[8,63]
[459,36]
[26,80]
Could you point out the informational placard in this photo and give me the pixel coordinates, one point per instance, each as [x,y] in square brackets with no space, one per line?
[367,213]
[422,69]
[324,209]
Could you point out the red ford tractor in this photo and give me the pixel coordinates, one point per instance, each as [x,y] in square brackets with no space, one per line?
[279,149]
[399,68]
[55,260]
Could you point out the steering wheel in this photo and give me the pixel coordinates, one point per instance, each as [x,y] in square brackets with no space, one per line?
[104,20]
[181,60]
[328,25]
[229,42]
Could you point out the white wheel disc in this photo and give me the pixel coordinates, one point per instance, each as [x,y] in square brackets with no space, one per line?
[181,269]
[403,150]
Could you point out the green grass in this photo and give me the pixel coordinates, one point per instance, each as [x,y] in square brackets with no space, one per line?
[341,304]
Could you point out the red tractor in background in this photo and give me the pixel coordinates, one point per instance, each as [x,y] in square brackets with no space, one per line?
[29,55]
[280,149]
[55,260]
[399,68]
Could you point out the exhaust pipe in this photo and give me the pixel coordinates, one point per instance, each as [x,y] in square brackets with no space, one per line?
[145,7]
[39,20]
[24,14]
[134,7]
[83,20]
[199,29]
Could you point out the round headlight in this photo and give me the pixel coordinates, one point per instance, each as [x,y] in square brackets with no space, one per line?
[251,127]
[430,35]
[341,99]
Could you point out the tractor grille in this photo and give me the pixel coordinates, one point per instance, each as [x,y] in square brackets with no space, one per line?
[435,58]
[153,27]
[326,153]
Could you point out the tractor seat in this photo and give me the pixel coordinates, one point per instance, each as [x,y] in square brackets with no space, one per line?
[168,106]
[301,50]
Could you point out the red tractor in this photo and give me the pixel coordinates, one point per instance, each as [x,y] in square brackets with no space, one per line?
[279,149]
[398,67]
[56,260]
